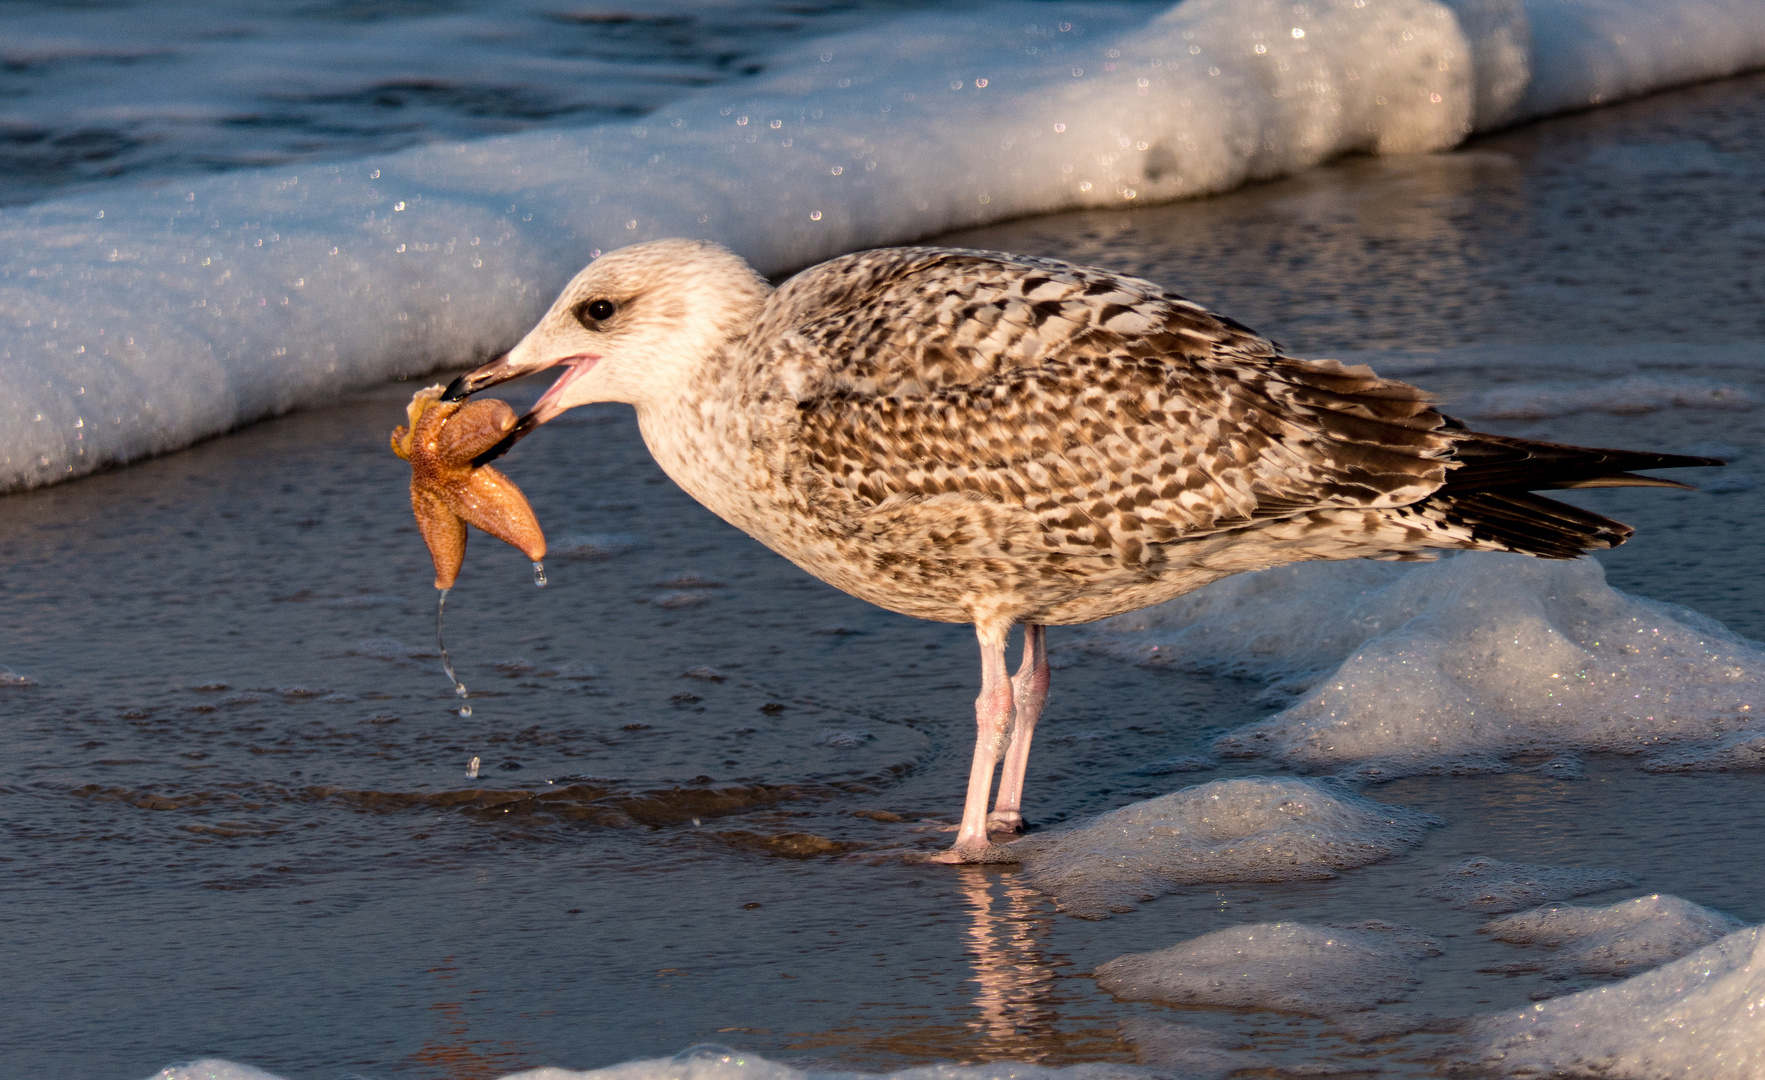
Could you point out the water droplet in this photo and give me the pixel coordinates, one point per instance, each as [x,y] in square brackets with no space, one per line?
[446,662]
[538,574]
[472,769]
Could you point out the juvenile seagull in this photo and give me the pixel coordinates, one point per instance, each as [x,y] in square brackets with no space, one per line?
[968,436]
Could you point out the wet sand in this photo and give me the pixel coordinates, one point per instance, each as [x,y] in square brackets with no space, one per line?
[239,822]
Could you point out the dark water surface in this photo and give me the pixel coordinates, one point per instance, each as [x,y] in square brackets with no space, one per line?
[238,821]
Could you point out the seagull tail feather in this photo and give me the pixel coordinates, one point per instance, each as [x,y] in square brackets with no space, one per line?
[1498,463]
[1489,492]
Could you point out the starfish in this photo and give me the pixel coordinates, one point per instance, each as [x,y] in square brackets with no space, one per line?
[448,492]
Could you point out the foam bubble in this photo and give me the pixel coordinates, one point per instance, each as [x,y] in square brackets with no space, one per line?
[1246,829]
[1283,967]
[1454,666]
[1698,1016]
[1489,885]
[1625,938]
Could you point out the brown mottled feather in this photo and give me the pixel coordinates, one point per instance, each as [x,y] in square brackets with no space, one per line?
[1037,409]
[1119,419]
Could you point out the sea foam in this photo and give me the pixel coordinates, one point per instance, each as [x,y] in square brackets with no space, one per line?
[1490,885]
[1619,939]
[1702,1015]
[1283,967]
[1457,665]
[139,320]
[1249,829]
[712,1062]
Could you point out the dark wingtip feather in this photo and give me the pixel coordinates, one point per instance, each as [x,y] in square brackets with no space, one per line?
[1484,462]
[1535,526]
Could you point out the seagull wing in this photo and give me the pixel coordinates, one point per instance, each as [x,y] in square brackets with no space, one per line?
[1096,414]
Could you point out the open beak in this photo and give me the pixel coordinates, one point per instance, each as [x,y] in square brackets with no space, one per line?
[504,368]
[500,370]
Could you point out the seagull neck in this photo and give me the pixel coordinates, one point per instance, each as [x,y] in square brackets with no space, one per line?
[701,437]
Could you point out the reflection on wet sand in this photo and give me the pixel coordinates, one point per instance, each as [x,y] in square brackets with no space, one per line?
[1021,1007]
[1013,1007]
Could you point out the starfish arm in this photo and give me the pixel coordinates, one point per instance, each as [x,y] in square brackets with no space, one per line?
[474,428]
[492,502]
[443,532]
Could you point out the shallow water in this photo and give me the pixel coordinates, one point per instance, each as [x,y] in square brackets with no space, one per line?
[239,821]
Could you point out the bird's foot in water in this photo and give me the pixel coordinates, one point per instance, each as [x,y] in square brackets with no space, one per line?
[1006,821]
[975,854]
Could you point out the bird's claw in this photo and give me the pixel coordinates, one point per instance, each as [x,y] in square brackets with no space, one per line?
[1006,821]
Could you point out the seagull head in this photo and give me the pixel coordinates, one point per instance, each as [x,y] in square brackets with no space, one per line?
[634,326]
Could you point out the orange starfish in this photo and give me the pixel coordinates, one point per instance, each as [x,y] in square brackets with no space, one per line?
[448,493]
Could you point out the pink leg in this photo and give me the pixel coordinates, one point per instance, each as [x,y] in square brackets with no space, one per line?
[993,717]
[1029,691]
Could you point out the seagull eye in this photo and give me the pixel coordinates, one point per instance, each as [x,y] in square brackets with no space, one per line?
[594,311]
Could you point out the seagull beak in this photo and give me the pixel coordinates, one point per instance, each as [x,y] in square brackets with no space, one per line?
[504,368]
[500,370]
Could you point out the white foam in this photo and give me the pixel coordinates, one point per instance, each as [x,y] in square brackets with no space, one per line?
[212,1069]
[1594,52]
[712,1062]
[1456,665]
[1625,938]
[1283,967]
[140,320]
[1240,830]
[1702,1016]
[1489,885]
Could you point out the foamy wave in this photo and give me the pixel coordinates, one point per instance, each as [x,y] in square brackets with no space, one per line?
[711,1062]
[1625,938]
[1246,829]
[140,320]
[1698,1016]
[1283,967]
[1457,665]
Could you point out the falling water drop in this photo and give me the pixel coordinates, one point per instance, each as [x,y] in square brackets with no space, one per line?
[446,663]
[538,574]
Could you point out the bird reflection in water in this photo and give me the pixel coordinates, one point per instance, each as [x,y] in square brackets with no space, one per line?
[1013,1010]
